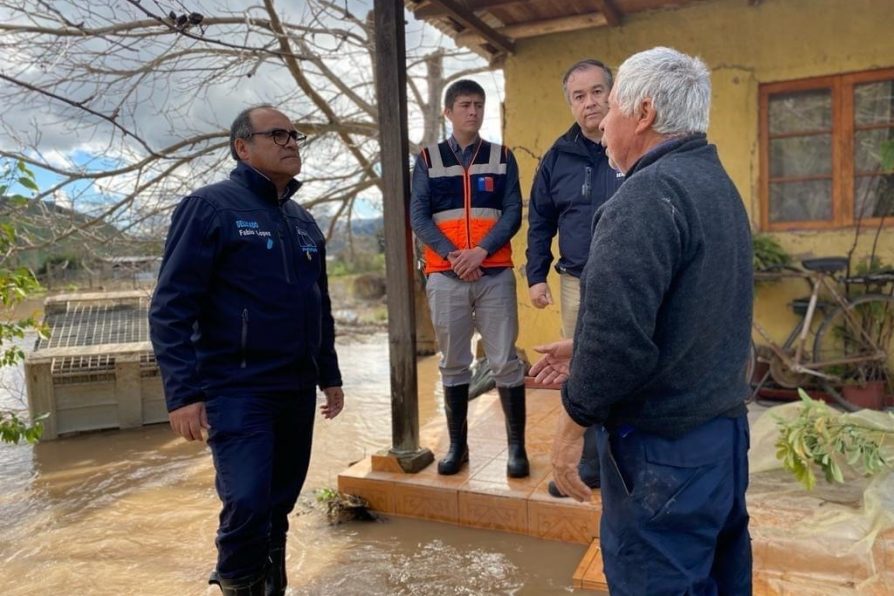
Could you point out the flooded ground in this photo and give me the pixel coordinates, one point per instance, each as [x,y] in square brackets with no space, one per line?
[134,512]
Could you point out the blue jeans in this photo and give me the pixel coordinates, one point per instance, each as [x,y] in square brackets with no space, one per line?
[261,448]
[673,511]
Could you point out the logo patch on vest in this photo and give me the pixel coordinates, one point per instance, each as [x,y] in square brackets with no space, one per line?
[486,184]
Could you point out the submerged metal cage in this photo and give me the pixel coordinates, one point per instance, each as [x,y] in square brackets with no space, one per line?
[96,368]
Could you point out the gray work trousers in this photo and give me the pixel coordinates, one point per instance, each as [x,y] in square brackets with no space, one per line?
[459,308]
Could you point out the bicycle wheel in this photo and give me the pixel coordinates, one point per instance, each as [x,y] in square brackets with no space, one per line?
[857,342]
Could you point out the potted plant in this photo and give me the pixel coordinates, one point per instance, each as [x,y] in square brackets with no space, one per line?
[865,394]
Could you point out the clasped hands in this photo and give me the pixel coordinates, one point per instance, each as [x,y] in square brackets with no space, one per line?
[466,262]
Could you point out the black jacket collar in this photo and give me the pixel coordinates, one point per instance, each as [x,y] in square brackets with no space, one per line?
[573,141]
[258,182]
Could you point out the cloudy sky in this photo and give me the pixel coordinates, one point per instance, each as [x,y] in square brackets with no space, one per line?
[170,101]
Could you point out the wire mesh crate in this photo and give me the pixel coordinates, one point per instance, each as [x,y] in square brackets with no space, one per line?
[96,369]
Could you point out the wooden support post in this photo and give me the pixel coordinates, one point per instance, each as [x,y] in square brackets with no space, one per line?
[127,391]
[41,400]
[391,92]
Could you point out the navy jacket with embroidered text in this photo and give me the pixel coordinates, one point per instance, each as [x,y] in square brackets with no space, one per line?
[242,303]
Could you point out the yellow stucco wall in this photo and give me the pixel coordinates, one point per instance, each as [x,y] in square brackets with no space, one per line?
[744,46]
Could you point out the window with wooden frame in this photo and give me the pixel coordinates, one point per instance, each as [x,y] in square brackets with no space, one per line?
[822,146]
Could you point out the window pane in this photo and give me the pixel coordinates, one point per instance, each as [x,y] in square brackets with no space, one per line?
[801,156]
[801,201]
[874,103]
[873,196]
[801,111]
[868,148]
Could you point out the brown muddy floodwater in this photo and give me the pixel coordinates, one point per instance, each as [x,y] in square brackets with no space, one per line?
[134,512]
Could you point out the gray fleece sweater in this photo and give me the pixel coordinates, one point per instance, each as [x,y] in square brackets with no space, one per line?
[666,298]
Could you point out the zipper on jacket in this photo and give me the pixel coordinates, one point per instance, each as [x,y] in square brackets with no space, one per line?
[467,201]
[244,336]
[285,260]
[587,185]
[467,189]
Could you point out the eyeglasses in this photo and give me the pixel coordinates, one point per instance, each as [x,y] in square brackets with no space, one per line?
[281,136]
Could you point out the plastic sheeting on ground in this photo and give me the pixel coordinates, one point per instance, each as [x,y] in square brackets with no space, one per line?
[836,539]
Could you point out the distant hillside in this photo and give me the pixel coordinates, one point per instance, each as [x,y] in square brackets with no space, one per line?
[39,222]
[365,231]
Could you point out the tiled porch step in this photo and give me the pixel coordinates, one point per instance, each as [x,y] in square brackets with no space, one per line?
[480,497]
[589,575]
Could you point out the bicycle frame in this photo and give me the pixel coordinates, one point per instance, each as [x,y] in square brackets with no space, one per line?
[795,362]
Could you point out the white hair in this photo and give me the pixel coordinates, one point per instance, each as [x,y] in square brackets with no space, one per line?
[678,85]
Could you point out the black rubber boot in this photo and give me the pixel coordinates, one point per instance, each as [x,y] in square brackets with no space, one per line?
[244,586]
[513,401]
[456,406]
[276,573]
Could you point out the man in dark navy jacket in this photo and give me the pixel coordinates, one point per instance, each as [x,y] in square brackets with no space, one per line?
[572,180]
[242,330]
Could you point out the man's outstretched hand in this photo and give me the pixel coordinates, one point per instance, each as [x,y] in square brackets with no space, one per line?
[555,364]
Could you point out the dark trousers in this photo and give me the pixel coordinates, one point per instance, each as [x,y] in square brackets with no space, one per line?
[588,468]
[673,511]
[261,447]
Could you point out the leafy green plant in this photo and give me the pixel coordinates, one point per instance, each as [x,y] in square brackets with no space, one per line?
[13,429]
[16,284]
[821,437]
[325,495]
[342,507]
[768,253]
[869,265]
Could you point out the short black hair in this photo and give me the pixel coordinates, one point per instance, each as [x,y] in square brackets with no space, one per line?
[586,64]
[242,128]
[462,87]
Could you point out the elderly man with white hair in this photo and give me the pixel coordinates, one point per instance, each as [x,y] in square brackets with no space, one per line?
[658,354]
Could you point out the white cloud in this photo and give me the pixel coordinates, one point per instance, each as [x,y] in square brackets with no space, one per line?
[173,101]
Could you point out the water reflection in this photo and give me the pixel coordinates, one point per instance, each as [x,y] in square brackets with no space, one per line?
[134,512]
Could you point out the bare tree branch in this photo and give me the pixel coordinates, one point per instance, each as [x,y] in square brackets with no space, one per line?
[124,108]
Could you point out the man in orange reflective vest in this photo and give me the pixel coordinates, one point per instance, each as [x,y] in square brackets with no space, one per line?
[465,208]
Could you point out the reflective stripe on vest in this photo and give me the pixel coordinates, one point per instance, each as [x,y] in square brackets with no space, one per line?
[466,226]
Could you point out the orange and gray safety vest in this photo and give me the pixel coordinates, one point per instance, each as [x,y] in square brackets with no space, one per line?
[466,202]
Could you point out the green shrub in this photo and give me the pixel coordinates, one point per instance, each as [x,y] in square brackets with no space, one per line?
[768,253]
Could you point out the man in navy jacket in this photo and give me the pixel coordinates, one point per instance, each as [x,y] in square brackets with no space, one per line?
[242,330]
[572,180]
[659,351]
